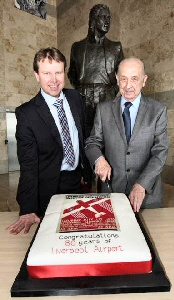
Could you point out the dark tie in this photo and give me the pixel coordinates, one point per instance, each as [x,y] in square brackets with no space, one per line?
[127,120]
[67,143]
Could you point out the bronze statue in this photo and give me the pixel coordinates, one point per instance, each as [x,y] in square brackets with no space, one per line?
[94,62]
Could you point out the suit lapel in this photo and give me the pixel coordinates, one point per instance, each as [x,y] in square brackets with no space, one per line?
[116,109]
[74,111]
[108,55]
[46,116]
[140,118]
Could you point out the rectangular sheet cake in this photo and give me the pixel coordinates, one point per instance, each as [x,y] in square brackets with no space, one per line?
[89,235]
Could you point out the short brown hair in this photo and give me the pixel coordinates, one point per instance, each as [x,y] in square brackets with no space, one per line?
[51,53]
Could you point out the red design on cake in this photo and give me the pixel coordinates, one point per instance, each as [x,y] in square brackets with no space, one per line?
[88,214]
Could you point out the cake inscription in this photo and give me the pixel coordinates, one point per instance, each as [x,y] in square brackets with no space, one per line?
[69,250]
[84,250]
[108,249]
[88,243]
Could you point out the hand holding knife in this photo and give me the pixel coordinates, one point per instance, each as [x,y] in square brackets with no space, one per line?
[109,186]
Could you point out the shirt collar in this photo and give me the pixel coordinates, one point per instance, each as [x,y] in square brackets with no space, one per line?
[50,100]
[135,103]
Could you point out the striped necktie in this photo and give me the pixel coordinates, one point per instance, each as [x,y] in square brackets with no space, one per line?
[127,120]
[67,143]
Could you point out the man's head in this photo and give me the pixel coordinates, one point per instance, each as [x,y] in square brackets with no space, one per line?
[51,53]
[131,78]
[49,68]
[99,19]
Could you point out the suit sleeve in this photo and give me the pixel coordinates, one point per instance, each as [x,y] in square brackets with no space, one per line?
[27,194]
[158,156]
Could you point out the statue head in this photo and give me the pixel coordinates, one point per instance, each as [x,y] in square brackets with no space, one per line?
[99,19]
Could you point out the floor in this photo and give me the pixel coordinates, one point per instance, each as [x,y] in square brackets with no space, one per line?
[9,183]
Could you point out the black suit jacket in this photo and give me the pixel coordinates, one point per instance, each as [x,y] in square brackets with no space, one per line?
[40,150]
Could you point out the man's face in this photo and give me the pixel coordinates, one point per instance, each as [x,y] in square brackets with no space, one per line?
[131,79]
[103,21]
[51,76]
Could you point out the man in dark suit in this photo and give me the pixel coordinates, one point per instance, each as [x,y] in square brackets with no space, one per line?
[50,163]
[131,157]
[94,62]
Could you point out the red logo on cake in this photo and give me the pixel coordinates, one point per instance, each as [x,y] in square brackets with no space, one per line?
[88,213]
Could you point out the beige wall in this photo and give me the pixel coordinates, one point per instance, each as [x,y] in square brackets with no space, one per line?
[146,30]
[21,35]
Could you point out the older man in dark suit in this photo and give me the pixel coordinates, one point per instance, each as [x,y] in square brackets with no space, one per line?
[50,136]
[129,144]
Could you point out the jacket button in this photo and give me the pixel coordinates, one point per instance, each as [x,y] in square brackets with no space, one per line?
[128,170]
[128,153]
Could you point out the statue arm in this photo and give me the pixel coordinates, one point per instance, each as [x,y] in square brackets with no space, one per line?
[72,72]
[120,57]
[118,61]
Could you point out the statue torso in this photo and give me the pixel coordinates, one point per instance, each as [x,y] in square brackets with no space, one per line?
[95,65]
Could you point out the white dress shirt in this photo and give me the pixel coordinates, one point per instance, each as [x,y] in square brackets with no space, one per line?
[72,127]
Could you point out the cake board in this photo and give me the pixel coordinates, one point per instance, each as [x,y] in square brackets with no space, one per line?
[156,281]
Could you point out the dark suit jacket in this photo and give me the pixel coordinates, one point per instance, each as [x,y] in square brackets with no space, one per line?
[40,150]
[143,159]
[113,56]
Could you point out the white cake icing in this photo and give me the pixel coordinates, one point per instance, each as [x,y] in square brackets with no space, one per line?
[89,253]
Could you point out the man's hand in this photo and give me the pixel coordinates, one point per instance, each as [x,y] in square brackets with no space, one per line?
[136,197]
[103,169]
[24,222]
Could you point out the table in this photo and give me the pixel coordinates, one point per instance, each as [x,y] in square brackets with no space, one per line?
[158,223]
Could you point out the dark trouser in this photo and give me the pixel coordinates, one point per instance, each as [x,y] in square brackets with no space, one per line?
[70,182]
